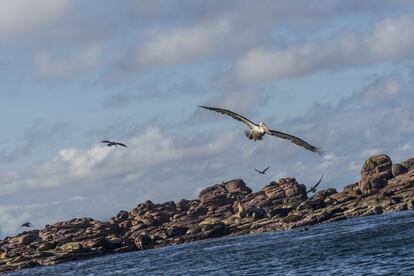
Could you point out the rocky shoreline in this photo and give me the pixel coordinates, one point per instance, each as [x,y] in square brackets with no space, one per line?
[226,209]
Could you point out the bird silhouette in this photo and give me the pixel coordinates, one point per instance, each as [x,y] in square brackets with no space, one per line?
[26,224]
[262,172]
[113,143]
[313,189]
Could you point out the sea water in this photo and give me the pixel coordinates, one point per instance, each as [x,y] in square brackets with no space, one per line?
[375,245]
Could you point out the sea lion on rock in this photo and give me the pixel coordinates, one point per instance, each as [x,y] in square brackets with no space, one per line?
[241,211]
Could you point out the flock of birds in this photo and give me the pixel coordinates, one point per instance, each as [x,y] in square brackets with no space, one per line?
[255,133]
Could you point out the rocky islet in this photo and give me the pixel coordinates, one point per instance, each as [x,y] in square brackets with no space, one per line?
[225,209]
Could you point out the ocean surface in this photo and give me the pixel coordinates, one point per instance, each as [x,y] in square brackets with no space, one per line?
[376,245]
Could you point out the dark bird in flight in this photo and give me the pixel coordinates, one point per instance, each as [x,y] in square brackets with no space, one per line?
[313,189]
[257,131]
[26,224]
[113,143]
[262,172]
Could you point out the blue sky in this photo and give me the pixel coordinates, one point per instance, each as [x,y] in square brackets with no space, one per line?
[337,73]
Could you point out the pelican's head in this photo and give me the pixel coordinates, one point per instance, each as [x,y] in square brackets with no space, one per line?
[264,127]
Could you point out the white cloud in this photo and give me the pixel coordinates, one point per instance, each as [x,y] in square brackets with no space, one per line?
[385,89]
[19,16]
[391,40]
[48,66]
[151,148]
[183,44]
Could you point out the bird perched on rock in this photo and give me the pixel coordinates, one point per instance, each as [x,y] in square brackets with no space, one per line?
[26,224]
[262,172]
[313,189]
[257,131]
[113,143]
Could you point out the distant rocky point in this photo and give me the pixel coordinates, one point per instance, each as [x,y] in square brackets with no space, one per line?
[226,209]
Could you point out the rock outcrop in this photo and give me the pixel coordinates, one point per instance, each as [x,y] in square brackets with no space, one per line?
[225,209]
[375,173]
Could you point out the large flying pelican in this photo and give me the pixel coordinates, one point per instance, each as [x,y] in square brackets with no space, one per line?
[257,131]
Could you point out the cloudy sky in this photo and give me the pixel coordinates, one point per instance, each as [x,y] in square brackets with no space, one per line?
[339,74]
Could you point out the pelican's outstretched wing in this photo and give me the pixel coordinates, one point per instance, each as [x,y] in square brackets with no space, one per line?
[231,114]
[106,141]
[265,170]
[120,144]
[317,183]
[297,141]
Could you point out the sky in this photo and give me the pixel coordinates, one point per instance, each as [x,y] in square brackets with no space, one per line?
[338,74]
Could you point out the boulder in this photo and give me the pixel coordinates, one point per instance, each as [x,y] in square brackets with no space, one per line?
[157,218]
[312,203]
[94,243]
[285,188]
[25,239]
[176,231]
[398,169]
[197,211]
[125,225]
[224,193]
[76,223]
[338,198]
[375,173]
[237,186]
[258,199]
[122,215]
[352,189]
[183,205]
[148,205]
[325,193]
[213,192]
[408,164]
[216,195]
[167,207]
[213,230]
[144,242]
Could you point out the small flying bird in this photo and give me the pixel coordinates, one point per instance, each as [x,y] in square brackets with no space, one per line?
[257,131]
[113,143]
[313,189]
[262,172]
[26,224]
